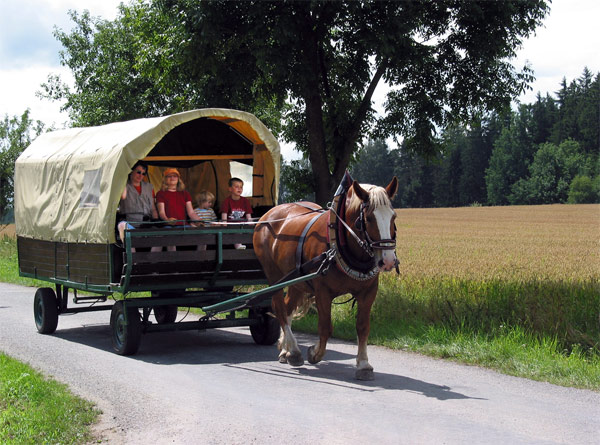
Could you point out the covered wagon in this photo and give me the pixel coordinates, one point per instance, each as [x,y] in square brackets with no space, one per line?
[68,185]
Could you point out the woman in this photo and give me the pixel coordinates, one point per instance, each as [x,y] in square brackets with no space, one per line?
[137,199]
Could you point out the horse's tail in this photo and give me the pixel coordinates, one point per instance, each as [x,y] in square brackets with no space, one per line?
[303,307]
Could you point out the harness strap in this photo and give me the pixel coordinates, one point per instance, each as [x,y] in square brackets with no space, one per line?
[309,206]
[300,246]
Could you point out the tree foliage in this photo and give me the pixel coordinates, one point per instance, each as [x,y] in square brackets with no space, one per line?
[501,159]
[584,190]
[16,133]
[135,67]
[317,62]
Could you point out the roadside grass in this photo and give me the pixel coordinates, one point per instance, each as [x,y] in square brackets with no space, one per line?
[9,269]
[510,350]
[37,410]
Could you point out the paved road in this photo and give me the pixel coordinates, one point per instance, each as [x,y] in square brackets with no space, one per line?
[218,387]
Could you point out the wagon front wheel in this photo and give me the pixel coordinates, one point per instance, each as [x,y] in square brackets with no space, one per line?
[126,329]
[45,310]
[266,332]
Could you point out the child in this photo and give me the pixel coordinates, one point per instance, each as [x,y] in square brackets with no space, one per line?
[174,202]
[235,207]
[204,211]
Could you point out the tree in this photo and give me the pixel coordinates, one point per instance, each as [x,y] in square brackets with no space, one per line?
[582,191]
[578,112]
[551,172]
[16,133]
[415,179]
[544,114]
[326,60]
[513,152]
[374,164]
[134,67]
[296,182]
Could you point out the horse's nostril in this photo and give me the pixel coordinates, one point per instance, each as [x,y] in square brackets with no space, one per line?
[380,264]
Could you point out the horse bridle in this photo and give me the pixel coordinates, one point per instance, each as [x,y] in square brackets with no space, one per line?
[366,242]
[361,224]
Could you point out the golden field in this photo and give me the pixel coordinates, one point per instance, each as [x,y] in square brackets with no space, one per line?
[559,242]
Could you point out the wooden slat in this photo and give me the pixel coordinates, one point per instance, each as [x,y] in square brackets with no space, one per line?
[189,239]
[194,266]
[177,279]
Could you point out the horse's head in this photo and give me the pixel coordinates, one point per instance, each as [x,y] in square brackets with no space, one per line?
[373,216]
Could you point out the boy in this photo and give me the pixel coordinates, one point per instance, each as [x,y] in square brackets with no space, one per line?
[235,207]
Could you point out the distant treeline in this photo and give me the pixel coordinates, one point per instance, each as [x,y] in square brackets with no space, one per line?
[542,153]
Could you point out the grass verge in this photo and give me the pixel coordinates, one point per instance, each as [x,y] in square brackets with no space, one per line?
[37,410]
[511,350]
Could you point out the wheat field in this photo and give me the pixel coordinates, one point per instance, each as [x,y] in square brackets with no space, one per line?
[535,268]
[548,242]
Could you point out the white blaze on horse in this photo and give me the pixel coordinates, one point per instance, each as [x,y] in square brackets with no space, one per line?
[357,235]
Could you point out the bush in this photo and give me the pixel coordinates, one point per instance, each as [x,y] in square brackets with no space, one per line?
[582,191]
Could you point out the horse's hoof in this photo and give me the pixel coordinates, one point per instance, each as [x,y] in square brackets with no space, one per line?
[364,374]
[311,355]
[282,359]
[295,359]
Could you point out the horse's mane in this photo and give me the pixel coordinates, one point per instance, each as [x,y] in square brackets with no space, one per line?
[377,197]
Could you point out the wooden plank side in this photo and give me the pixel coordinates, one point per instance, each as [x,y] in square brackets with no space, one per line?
[36,257]
[89,263]
[79,262]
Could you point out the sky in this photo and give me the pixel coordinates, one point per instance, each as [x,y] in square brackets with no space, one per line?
[567,42]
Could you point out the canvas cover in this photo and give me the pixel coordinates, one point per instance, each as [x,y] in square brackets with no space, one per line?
[68,183]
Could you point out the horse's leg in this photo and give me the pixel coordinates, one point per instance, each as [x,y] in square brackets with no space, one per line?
[288,346]
[317,351]
[278,305]
[293,355]
[364,371]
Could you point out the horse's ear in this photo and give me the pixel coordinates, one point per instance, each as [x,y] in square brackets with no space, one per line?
[392,187]
[360,192]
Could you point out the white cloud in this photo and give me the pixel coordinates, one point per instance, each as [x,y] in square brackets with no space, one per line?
[29,52]
[567,42]
[18,88]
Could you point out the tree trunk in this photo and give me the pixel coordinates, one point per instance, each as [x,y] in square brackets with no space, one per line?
[317,150]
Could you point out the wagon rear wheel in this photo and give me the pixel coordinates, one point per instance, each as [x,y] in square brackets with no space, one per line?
[165,314]
[126,337]
[266,332]
[45,310]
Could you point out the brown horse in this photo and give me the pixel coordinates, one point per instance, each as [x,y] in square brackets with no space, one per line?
[358,234]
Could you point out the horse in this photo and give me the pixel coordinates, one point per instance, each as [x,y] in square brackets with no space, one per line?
[289,234]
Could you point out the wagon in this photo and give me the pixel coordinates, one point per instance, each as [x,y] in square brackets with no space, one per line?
[67,190]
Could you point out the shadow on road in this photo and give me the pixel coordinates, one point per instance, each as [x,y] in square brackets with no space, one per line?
[235,348]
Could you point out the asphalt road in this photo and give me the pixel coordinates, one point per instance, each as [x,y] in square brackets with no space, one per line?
[218,387]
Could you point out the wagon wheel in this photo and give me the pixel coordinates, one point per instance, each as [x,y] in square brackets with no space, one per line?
[266,332]
[165,314]
[45,310]
[126,337]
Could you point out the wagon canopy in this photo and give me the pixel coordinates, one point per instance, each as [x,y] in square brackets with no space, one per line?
[68,183]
